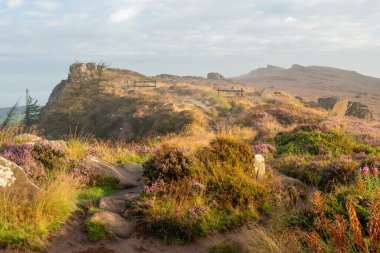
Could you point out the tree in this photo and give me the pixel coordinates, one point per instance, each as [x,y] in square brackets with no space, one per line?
[10,115]
[31,111]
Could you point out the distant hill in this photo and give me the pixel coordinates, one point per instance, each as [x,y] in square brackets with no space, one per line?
[317,81]
[19,114]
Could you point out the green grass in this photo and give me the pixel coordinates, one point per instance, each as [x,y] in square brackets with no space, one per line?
[95,193]
[95,231]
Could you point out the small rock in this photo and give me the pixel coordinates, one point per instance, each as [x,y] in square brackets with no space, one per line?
[114,224]
[259,169]
[116,203]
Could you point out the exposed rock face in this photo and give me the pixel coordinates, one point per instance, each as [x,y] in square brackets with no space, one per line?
[13,177]
[343,107]
[114,224]
[359,110]
[215,76]
[259,169]
[129,176]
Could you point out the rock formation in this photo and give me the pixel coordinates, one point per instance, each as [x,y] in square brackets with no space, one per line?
[359,110]
[215,76]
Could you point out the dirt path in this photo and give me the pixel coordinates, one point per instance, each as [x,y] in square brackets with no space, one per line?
[73,239]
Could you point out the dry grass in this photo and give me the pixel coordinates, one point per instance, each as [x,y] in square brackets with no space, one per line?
[25,222]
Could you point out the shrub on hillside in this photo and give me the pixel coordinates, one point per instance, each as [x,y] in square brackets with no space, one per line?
[168,164]
[305,168]
[229,152]
[216,192]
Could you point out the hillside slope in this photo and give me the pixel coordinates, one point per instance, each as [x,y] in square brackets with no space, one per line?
[315,81]
[101,101]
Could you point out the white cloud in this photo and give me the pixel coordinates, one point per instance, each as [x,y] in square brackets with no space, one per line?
[13,4]
[47,5]
[124,14]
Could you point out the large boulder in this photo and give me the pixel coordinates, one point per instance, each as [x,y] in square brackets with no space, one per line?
[259,167]
[13,177]
[128,176]
[114,224]
[359,110]
[334,104]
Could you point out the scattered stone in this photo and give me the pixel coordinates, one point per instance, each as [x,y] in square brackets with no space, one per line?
[116,203]
[114,224]
[128,176]
[259,169]
[13,177]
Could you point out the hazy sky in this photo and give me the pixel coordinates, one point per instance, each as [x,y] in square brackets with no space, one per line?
[40,38]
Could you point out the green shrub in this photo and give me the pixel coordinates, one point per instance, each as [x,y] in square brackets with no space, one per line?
[315,140]
[168,164]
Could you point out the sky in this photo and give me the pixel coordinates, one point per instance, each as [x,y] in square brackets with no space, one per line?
[39,39]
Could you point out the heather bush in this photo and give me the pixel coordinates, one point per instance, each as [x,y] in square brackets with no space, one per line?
[50,154]
[305,168]
[19,154]
[168,164]
[340,171]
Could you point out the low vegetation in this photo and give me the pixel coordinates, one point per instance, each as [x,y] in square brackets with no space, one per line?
[189,194]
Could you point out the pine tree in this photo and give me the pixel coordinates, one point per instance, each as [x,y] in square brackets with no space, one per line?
[32,110]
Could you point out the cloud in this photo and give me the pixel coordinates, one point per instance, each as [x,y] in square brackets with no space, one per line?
[13,4]
[47,5]
[124,14]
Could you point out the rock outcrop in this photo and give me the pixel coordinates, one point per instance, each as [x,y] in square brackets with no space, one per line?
[215,76]
[359,110]
[334,104]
